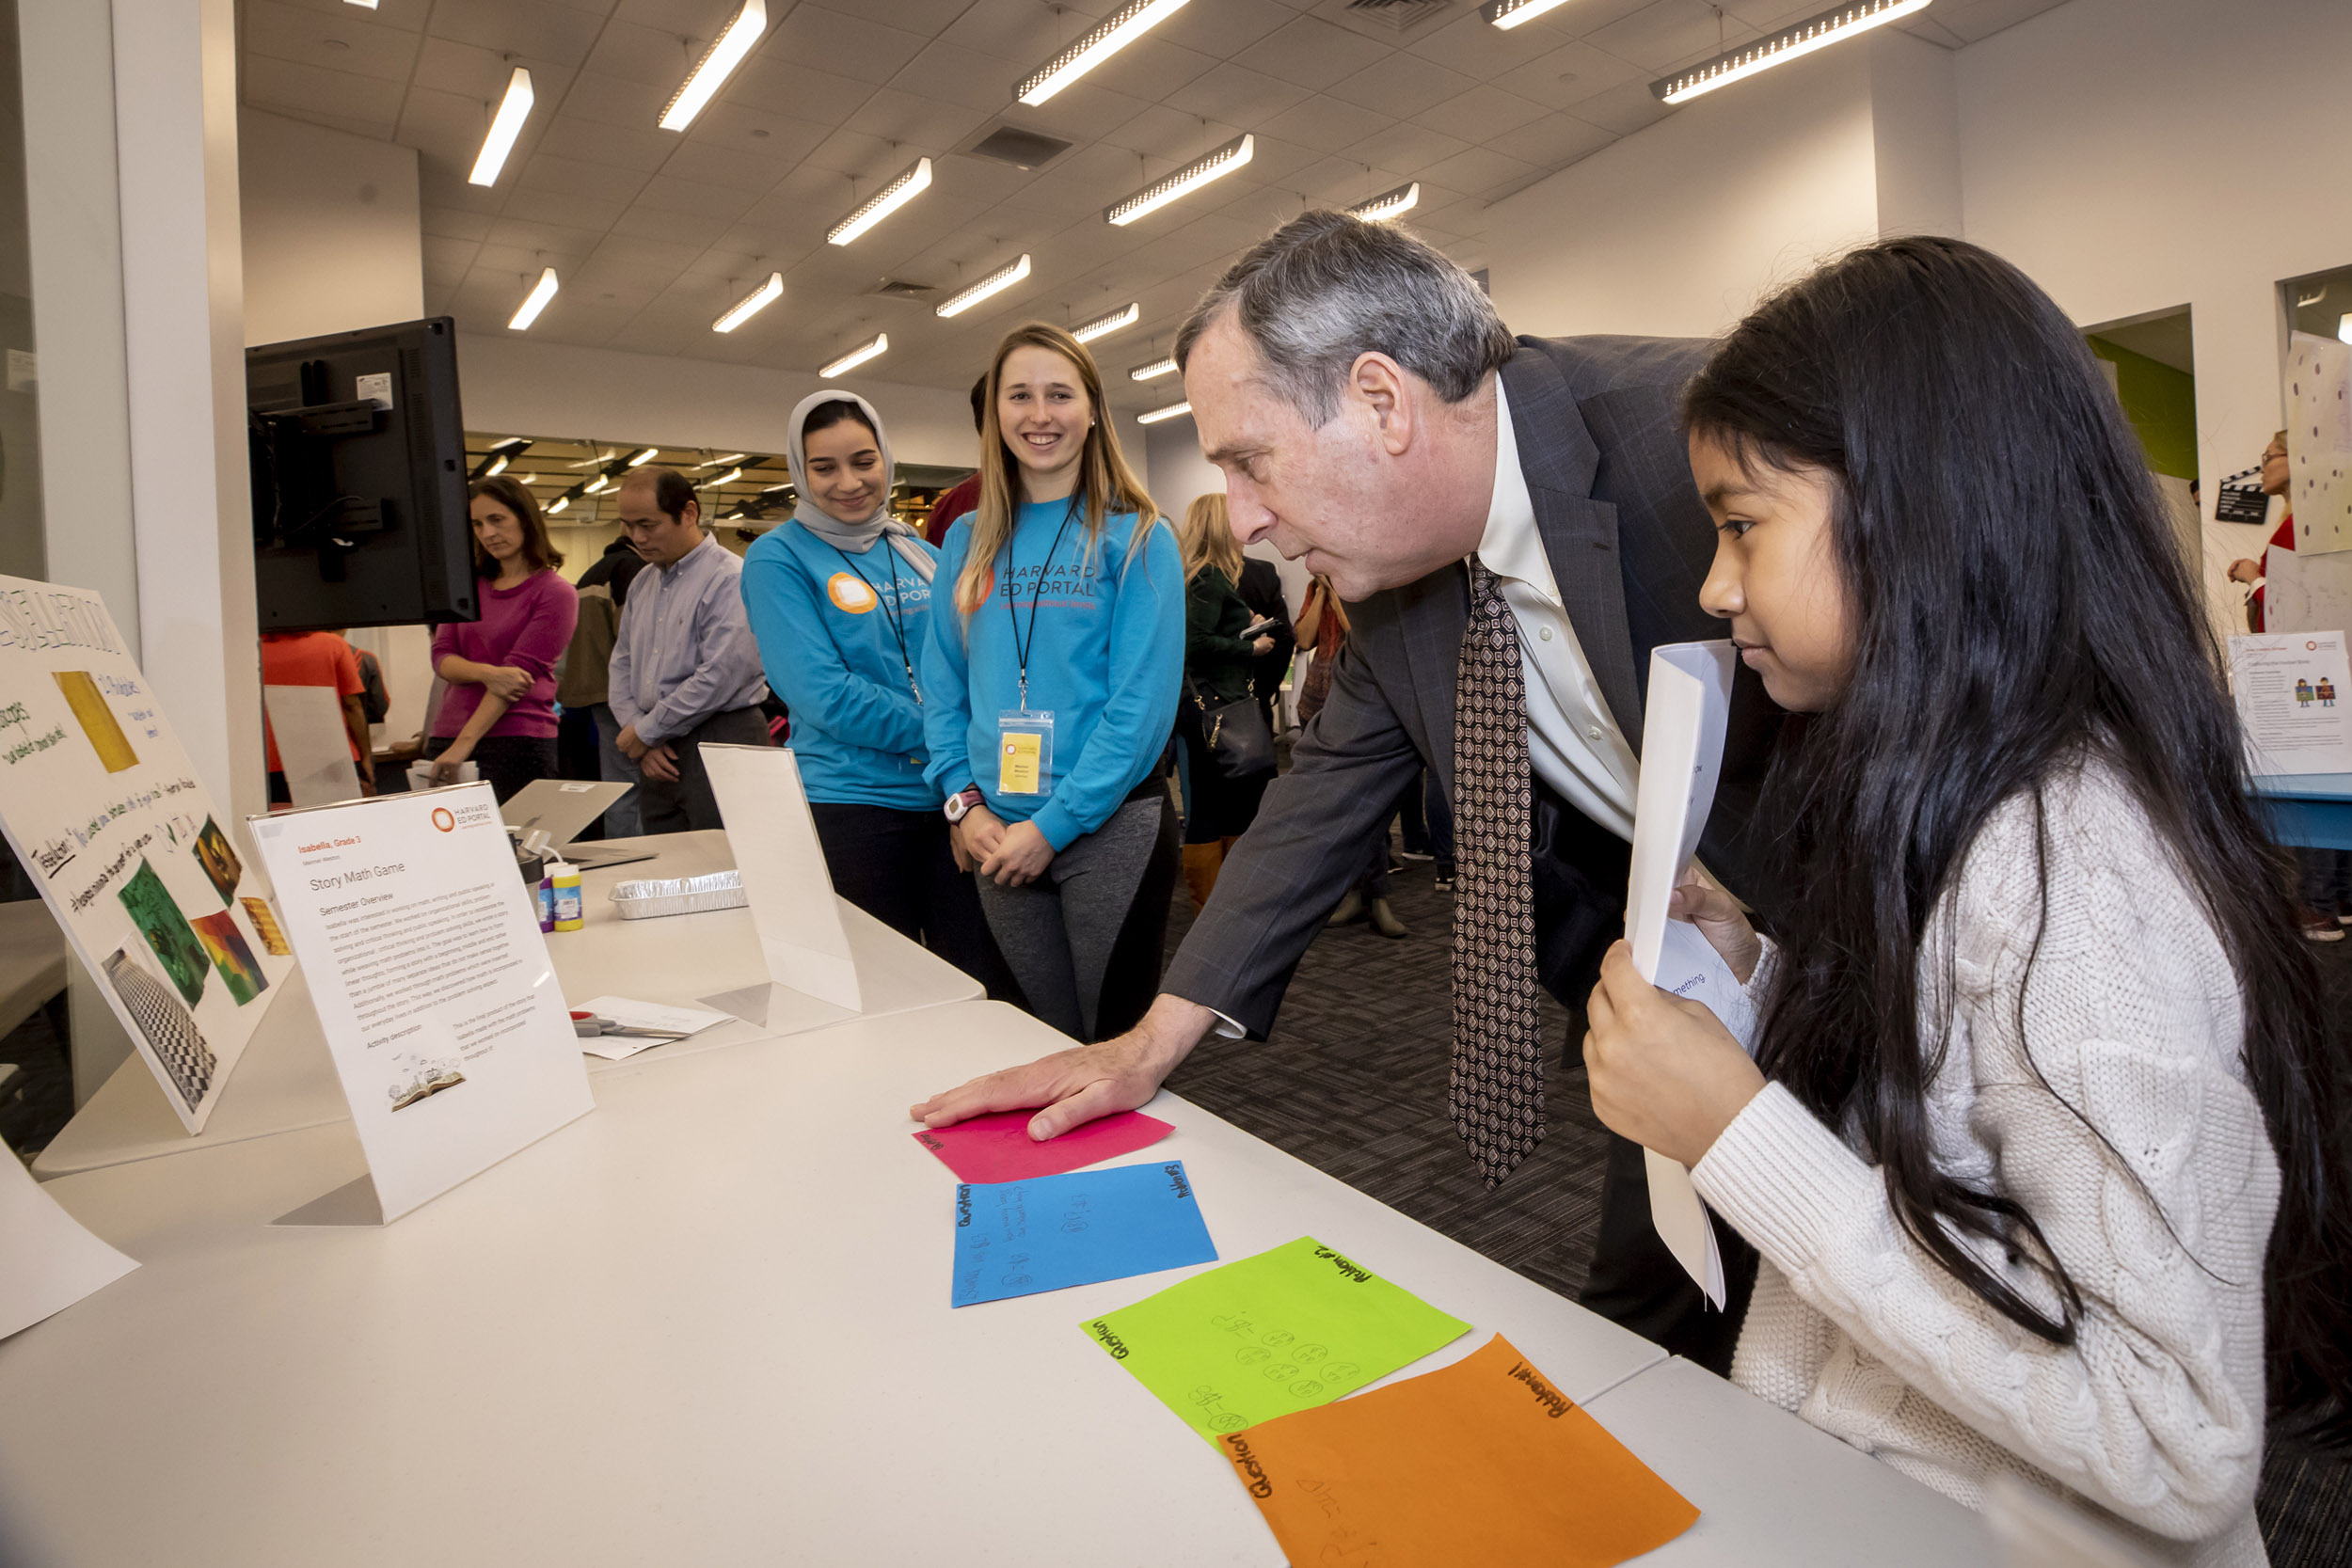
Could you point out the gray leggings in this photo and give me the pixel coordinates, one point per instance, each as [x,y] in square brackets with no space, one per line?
[1085,938]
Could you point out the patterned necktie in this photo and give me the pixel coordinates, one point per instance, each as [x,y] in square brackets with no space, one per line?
[1496,1091]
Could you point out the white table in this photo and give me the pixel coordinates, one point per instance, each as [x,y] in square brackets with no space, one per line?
[600,1353]
[286,1081]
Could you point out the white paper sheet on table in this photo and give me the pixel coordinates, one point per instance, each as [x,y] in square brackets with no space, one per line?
[1683,754]
[47,1260]
[632,1014]
[306,721]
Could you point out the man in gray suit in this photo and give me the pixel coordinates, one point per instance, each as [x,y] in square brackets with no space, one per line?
[1514,527]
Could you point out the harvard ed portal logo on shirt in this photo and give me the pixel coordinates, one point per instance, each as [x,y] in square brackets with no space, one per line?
[849,592]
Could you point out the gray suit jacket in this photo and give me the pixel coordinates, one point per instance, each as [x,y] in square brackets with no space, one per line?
[1596,421]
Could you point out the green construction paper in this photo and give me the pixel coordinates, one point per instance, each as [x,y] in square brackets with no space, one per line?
[1283,1331]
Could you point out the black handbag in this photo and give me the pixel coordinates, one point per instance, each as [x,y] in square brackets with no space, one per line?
[1236,737]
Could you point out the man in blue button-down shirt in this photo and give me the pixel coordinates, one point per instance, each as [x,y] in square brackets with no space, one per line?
[685,668]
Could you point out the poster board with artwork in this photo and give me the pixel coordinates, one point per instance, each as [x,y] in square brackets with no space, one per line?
[106,814]
[2319,443]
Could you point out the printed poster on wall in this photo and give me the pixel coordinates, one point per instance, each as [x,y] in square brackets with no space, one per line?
[440,1007]
[108,819]
[2319,443]
[2294,696]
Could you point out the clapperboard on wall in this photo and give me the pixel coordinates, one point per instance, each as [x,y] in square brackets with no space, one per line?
[2241,498]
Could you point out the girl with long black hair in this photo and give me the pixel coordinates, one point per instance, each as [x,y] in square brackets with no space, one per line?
[2041,1056]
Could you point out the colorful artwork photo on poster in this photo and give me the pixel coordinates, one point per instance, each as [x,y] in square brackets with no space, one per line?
[220,861]
[159,920]
[99,725]
[226,945]
[179,1045]
[266,926]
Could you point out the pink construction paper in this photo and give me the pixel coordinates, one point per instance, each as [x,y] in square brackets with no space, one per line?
[999,1148]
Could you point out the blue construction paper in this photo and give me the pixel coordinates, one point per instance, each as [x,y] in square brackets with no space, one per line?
[1019,1238]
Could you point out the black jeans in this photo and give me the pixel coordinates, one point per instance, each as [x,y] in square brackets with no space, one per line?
[505,762]
[896,866]
[1581,872]
[685,803]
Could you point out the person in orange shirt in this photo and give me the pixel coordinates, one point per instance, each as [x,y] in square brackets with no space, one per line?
[316,659]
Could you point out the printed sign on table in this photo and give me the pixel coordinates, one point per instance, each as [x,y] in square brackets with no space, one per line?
[2293,694]
[108,819]
[442,1012]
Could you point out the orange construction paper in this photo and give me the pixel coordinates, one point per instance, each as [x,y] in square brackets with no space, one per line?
[1481,1462]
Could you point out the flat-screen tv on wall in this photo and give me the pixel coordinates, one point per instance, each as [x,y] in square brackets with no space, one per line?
[357,450]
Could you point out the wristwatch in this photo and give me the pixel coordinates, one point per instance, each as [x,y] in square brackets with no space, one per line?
[960,804]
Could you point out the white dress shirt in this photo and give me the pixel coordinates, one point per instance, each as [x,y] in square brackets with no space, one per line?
[1572,740]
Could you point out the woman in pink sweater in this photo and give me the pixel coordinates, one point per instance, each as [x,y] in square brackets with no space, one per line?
[2043,1147]
[500,712]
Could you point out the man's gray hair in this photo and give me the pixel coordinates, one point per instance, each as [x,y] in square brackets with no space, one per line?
[1325,288]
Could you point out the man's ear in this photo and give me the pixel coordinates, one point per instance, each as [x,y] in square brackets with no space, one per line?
[1381,385]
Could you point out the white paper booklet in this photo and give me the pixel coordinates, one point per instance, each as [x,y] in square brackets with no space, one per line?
[47,1260]
[431,981]
[1683,754]
[2293,694]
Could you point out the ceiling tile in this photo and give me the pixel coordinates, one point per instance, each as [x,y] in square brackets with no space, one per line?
[965,77]
[669,193]
[349,43]
[557,246]
[597,213]
[1401,84]
[1404,148]
[1150,69]
[624,255]
[699,19]
[1313,54]
[1480,114]
[642,150]
[408,16]
[446,130]
[1235,95]
[564,34]
[1079,113]
[919,125]
[1162,127]
[780,138]
[1623,109]
[448,223]
[1224,29]
[614,101]
[311,91]
[575,177]
[1554,141]
[1021,30]
[713,165]
[645,56]
[482,74]
[686,228]
[1481,171]
[446,259]
[1666,32]
[1326,124]
[781,86]
[853,153]
[1569,75]
[1476,47]
[915,16]
[847,45]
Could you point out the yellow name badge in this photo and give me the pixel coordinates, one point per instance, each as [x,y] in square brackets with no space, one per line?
[1019,755]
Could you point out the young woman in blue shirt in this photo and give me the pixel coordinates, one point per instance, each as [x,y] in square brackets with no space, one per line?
[839,598]
[1050,686]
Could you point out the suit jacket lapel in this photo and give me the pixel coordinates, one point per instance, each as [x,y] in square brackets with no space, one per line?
[1560,460]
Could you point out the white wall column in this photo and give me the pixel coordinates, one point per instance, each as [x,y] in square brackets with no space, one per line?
[182,307]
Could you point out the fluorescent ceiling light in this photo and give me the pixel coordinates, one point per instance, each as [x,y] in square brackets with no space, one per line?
[1099,43]
[858,356]
[599,485]
[504,127]
[1510,13]
[363,5]
[727,478]
[512,444]
[722,462]
[526,479]
[1168,413]
[883,202]
[1103,327]
[718,61]
[498,467]
[1001,279]
[2344,327]
[1388,204]
[1191,176]
[643,456]
[1156,368]
[541,293]
[1779,48]
[558,505]
[751,304]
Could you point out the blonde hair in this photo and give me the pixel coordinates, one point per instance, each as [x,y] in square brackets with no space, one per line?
[1207,537]
[1104,478]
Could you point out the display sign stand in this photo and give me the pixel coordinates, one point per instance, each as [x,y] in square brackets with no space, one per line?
[2294,696]
[108,819]
[433,985]
[812,974]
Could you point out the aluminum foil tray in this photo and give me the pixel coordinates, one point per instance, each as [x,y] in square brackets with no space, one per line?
[721,890]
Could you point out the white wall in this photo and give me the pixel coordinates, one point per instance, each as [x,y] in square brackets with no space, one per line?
[329,222]
[1180,473]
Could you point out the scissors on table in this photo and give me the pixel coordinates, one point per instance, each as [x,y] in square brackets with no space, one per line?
[589,1026]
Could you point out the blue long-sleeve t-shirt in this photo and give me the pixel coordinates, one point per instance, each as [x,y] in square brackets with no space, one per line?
[826,641]
[1106,660]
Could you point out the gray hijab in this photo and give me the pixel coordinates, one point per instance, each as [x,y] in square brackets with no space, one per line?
[854,537]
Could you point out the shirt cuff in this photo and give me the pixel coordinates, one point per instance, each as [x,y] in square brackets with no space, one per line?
[1059,827]
[1226,1029]
[1784,1181]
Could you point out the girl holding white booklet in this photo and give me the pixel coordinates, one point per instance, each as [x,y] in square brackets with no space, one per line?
[2041,1057]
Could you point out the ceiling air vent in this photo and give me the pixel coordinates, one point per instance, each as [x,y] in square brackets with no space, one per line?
[899,288]
[1403,15]
[1010,144]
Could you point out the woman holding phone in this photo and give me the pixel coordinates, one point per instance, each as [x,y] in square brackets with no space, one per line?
[840,598]
[1050,687]
[500,712]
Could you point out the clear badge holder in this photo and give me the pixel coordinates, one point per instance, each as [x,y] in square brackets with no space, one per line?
[1024,752]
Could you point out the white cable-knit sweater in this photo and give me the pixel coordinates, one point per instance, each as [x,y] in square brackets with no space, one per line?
[2133,1016]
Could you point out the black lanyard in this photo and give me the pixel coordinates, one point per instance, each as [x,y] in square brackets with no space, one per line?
[1021,645]
[891,611]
